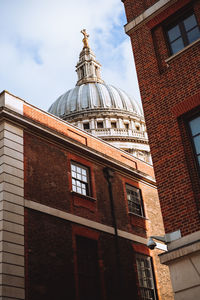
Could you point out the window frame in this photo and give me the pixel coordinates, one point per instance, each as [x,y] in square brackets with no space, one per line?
[87,183]
[191,140]
[152,273]
[134,188]
[86,124]
[100,125]
[178,19]
[113,124]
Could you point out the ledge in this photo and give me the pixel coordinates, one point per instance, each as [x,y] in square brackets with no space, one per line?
[147,15]
[141,217]
[82,221]
[171,58]
[188,249]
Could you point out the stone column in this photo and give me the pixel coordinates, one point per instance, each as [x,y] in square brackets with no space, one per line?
[11,212]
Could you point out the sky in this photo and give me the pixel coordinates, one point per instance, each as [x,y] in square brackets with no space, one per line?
[40,42]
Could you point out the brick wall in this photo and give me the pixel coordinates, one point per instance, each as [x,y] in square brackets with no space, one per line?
[48,182]
[51,248]
[49,258]
[166,88]
[136,8]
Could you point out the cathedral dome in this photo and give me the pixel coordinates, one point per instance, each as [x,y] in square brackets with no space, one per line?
[91,96]
[101,109]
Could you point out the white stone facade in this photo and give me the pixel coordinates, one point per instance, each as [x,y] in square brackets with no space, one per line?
[183,259]
[12,272]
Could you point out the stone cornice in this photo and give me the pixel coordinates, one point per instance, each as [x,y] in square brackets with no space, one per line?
[147,15]
[104,112]
[53,135]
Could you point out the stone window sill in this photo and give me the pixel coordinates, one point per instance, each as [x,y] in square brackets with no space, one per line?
[138,221]
[171,58]
[135,215]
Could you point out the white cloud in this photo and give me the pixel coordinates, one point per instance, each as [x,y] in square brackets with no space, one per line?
[41,41]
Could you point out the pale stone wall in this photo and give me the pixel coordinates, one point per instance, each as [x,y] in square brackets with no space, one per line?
[11,212]
[183,260]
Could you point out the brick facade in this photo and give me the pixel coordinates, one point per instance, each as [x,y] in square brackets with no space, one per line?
[55,219]
[169,89]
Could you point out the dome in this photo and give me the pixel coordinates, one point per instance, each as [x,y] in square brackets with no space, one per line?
[91,96]
[102,109]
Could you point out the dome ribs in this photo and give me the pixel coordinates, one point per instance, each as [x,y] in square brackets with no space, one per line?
[61,106]
[100,95]
[94,95]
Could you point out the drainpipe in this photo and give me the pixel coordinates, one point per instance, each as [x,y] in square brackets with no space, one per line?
[109,175]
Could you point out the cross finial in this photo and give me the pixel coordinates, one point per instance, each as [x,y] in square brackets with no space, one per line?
[85,39]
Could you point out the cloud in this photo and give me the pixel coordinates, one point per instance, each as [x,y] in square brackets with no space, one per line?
[41,41]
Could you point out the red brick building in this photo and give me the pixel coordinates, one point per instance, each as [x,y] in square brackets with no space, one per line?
[75,213]
[165,38]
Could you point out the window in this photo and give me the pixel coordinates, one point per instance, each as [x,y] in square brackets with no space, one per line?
[86,126]
[88,269]
[113,125]
[134,198]
[99,124]
[182,32]
[80,179]
[195,133]
[137,127]
[126,126]
[145,277]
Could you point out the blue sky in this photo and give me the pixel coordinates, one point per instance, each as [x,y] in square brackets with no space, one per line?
[41,41]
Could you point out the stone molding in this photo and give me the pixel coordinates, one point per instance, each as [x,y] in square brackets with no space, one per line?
[82,221]
[147,15]
[182,249]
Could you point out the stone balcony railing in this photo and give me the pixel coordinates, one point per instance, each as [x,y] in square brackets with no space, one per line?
[105,132]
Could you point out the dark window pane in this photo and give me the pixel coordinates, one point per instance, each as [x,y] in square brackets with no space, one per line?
[113,125]
[195,126]
[174,33]
[190,22]
[198,159]
[88,269]
[86,126]
[197,144]
[193,35]
[99,124]
[184,32]
[177,45]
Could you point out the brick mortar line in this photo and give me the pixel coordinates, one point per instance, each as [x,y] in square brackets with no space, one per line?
[13,149]
[11,182]
[12,156]
[5,129]
[6,138]
[14,286]
[20,255]
[12,243]
[11,165]
[19,234]
[4,200]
